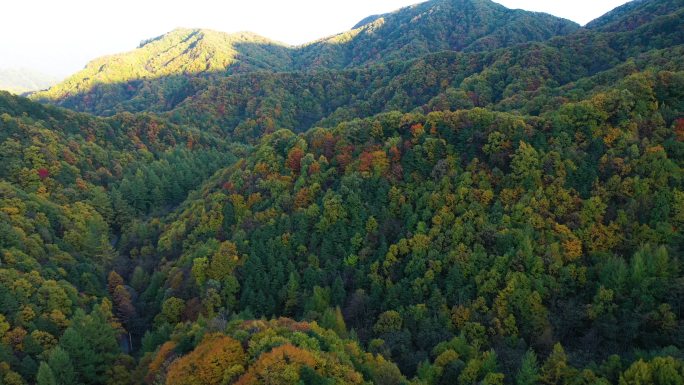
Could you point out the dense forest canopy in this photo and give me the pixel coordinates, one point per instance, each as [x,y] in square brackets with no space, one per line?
[452,193]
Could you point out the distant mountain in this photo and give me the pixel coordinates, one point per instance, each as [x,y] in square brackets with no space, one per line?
[161,67]
[163,71]
[20,80]
[433,26]
[634,14]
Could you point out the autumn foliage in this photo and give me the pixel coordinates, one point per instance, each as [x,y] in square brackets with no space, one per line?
[216,360]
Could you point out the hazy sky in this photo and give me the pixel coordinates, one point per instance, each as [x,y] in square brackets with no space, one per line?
[59,37]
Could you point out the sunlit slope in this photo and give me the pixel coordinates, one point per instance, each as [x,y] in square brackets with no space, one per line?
[157,75]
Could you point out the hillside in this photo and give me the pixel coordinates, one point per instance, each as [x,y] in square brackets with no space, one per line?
[528,78]
[65,179]
[511,232]
[159,73]
[432,26]
[505,210]
[23,80]
[254,102]
[165,71]
[634,14]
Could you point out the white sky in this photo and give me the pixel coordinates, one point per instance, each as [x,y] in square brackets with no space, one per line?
[59,37]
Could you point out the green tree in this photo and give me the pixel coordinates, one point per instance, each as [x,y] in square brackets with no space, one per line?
[556,370]
[528,374]
[388,322]
[45,375]
[172,309]
[61,366]
[291,294]
[90,342]
[333,319]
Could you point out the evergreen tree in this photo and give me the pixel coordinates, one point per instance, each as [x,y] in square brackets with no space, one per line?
[91,344]
[45,375]
[61,367]
[529,370]
[337,292]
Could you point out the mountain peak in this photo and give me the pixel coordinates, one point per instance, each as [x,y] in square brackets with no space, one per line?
[171,58]
[432,26]
[633,14]
[177,35]
[20,80]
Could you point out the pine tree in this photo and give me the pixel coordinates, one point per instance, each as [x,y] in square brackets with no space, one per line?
[292,294]
[333,319]
[529,370]
[45,375]
[337,292]
[555,369]
[91,344]
[113,280]
[61,367]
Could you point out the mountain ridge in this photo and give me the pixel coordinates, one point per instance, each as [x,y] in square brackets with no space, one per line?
[481,24]
[633,14]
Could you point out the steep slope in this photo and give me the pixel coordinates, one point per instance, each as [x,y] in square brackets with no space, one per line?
[634,14]
[146,163]
[24,80]
[433,26]
[164,71]
[157,75]
[63,203]
[253,102]
[485,233]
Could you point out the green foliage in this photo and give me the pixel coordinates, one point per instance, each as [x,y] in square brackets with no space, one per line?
[471,204]
[165,71]
[462,234]
[529,370]
[62,215]
[61,367]
[90,343]
[45,375]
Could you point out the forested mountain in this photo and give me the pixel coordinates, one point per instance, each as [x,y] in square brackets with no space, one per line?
[526,77]
[167,70]
[23,80]
[634,14]
[65,179]
[255,102]
[452,193]
[432,26]
[161,70]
